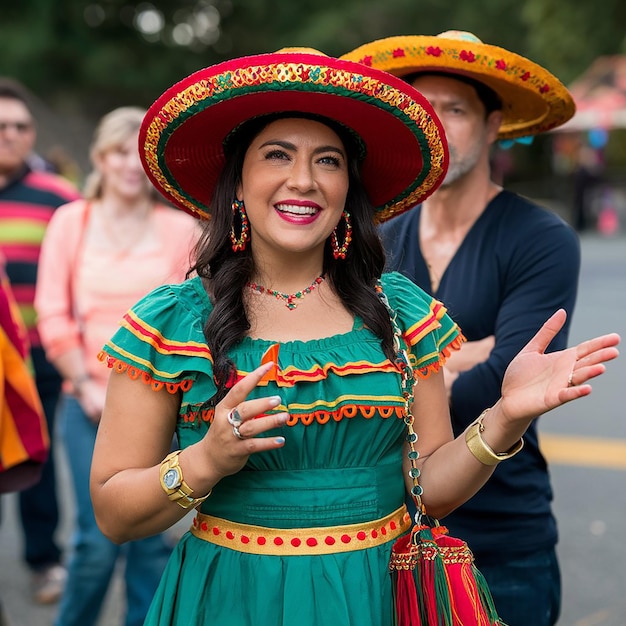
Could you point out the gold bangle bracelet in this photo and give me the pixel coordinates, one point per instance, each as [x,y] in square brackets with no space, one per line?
[479,447]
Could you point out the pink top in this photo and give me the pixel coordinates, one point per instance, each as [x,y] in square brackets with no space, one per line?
[83,290]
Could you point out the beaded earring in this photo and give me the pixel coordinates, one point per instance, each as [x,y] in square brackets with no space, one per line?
[339,252]
[239,213]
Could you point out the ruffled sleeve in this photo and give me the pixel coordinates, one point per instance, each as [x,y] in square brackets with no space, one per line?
[160,340]
[427,329]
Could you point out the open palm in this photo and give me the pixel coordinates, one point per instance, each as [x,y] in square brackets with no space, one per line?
[536,382]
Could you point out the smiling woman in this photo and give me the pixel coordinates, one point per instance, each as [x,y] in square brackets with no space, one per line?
[292,411]
[294,184]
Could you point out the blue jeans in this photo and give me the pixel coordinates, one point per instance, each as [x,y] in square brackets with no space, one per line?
[93,558]
[526,590]
[39,508]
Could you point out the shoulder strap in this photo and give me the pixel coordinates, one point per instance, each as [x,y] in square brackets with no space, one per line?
[408,384]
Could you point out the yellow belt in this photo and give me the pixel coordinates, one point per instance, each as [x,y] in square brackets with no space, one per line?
[300,541]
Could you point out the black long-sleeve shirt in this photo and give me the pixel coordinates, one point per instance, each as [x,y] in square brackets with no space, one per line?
[517,265]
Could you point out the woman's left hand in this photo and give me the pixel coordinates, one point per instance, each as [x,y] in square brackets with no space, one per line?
[536,382]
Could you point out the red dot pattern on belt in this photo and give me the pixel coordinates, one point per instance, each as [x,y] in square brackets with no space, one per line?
[296,542]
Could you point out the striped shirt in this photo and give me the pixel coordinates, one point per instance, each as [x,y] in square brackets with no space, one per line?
[26,206]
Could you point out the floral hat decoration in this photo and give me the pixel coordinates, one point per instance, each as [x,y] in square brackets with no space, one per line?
[533,99]
[182,137]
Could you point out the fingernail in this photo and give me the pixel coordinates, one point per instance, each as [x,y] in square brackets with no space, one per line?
[275,400]
[279,440]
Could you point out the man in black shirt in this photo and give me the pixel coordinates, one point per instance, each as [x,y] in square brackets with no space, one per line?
[501,265]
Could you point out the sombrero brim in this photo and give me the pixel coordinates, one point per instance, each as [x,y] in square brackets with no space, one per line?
[534,100]
[182,137]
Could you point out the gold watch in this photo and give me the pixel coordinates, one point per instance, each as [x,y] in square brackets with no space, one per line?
[174,485]
[479,447]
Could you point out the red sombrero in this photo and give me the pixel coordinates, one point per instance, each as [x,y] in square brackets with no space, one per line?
[182,136]
[533,99]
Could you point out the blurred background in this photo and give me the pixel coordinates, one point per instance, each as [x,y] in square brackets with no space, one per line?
[82,58]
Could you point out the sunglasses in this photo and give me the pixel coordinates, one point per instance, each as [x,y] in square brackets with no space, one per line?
[20,127]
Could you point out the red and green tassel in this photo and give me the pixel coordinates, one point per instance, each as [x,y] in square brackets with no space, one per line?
[436,582]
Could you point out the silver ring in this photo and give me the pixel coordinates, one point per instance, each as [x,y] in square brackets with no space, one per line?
[236,432]
[570,379]
[234,418]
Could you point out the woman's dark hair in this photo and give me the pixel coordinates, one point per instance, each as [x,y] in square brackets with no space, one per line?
[225,272]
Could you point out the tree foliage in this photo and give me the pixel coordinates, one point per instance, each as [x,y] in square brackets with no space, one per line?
[569,36]
[91,55]
[86,57]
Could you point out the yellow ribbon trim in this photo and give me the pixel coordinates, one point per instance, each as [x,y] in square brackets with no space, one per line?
[300,541]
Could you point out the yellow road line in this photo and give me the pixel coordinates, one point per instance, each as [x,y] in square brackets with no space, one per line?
[596,619]
[585,451]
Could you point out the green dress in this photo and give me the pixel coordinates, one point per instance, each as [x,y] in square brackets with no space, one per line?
[341,463]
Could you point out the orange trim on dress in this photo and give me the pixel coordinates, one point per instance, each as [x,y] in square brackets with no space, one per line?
[300,541]
[425,372]
[320,416]
[135,373]
[290,375]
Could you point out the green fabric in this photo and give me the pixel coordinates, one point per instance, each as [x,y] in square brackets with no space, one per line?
[331,471]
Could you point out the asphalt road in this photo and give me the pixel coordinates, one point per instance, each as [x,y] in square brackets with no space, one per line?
[589,473]
[585,442]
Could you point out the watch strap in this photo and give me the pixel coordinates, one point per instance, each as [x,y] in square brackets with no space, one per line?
[183,494]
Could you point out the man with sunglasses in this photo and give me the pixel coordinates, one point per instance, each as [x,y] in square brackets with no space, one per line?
[28,198]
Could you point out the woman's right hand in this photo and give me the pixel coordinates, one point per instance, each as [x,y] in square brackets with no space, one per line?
[536,382]
[229,453]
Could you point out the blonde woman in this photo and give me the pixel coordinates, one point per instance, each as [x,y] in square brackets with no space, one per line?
[101,254]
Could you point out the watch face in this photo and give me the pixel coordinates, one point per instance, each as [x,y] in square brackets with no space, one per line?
[171,479]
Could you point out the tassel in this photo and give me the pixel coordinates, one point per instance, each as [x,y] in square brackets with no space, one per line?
[436,582]
[405,590]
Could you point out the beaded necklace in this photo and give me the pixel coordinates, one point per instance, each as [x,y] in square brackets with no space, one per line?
[290,299]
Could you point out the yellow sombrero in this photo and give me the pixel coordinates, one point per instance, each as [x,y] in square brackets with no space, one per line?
[533,99]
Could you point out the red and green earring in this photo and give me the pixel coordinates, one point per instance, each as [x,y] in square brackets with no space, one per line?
[339,252]
[239,215]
